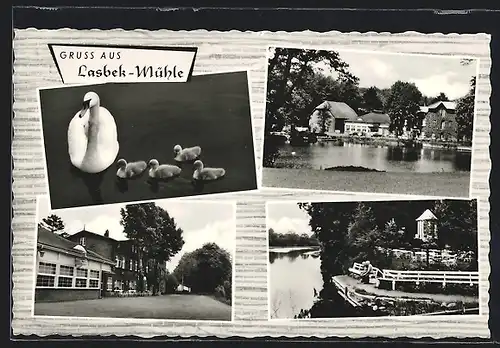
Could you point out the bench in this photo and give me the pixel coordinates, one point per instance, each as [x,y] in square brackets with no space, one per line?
[357,269]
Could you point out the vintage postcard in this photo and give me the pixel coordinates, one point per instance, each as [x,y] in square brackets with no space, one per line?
[152,260]
[373,259]
[124,138]
[368,121]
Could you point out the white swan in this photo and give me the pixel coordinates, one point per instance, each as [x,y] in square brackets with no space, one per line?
[187,154]
[92,136]
[129,170]
[164,171]
[201,173]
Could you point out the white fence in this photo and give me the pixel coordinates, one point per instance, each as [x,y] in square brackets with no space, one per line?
[443,277]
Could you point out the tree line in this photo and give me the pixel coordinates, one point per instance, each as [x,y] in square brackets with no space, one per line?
[206,270]
[291,239]
[297,83]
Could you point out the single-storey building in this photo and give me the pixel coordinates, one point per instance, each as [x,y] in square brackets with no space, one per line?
[369,124]
[67,271]
[336,114]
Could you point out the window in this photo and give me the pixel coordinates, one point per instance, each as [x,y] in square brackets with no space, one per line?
[109,284]
[46,281]
[82,241]
[117,262]
[81,273]
[132,285]
[93,283]
[424,122]
[65,282]
[124,265]
[94,274]
[81,278]
[81,282]
[46,274]
[46,268]
[136,266]
[443,125]
[66,270]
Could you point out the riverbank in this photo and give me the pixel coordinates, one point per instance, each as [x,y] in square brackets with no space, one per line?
[432,184]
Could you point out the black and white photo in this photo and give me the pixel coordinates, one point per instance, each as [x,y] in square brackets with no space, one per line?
[124,142]
[153,260]
[367,121]
[373,258]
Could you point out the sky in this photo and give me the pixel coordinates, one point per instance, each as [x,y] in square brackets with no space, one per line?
[430,74]
[286,217]
[202,222]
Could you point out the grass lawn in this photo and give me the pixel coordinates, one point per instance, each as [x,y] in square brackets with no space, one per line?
[212,111]
[194,307]
[433,184]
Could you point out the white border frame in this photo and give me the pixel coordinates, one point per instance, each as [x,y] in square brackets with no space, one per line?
[192,197]
[367,51]
[419,318]
[132,320]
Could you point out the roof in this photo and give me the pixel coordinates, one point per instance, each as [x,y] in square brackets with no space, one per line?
[376,117]
[427,215]
[338,110]
[449,105]
[53,240]
[84,231]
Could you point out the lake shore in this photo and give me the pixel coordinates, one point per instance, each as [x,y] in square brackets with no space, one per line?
[432,184]
[286,250]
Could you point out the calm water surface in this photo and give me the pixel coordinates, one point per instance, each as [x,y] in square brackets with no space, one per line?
[294,276]
[380,157]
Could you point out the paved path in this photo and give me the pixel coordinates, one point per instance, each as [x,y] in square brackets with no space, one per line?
[434,184]
[354,284]
[195,307]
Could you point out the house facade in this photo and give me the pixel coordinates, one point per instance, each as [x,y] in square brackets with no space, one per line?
[369,124]
[332,116]
[127,263]
[439,121]
[67,271]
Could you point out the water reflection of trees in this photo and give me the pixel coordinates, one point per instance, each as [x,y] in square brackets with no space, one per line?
[405,154]
[291,255]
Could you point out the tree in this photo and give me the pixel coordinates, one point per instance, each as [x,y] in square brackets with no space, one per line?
[329,223]
[155,234]
[457,224]
[363,235]
[371,99]
[441,97]
[403,105]
[465,113]
[171,283]
[288,71]
[204,269]
[54,223]
[393,236]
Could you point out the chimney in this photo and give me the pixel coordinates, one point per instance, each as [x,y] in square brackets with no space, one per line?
[106,234]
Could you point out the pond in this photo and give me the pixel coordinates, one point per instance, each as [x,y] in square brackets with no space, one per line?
[294,275]
[380,157]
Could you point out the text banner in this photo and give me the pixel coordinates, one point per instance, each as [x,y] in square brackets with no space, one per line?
[98,64]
